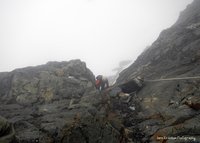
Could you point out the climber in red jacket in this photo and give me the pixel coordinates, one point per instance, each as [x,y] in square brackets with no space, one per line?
[101,83]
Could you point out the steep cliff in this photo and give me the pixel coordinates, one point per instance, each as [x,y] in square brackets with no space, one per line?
[170,108]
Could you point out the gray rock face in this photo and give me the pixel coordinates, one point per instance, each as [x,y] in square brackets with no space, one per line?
[169,108]
[56,102]
[7,133]
[46,83]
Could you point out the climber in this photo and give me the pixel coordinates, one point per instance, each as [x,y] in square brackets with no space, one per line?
[101,83]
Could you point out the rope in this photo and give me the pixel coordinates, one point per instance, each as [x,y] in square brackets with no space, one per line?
[171,79]
[157,80]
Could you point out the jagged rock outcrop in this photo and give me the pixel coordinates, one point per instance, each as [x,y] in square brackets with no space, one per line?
[56,102]
[169,108]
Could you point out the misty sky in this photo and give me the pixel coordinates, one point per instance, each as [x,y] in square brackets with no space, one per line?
[100,32]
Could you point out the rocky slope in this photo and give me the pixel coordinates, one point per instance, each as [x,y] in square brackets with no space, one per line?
[169,108]
[56,102]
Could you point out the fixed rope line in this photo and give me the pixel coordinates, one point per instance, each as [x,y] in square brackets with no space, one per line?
[157,80]
[171,79]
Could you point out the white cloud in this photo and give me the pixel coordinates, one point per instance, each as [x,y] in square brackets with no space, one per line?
[100,32]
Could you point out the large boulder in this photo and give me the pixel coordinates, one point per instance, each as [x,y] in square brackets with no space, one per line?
[43,102]
[46,83]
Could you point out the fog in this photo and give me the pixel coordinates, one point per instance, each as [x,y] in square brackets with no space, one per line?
[100,32]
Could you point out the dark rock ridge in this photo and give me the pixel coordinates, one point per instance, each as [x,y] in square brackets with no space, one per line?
[55,102]
[169,108]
